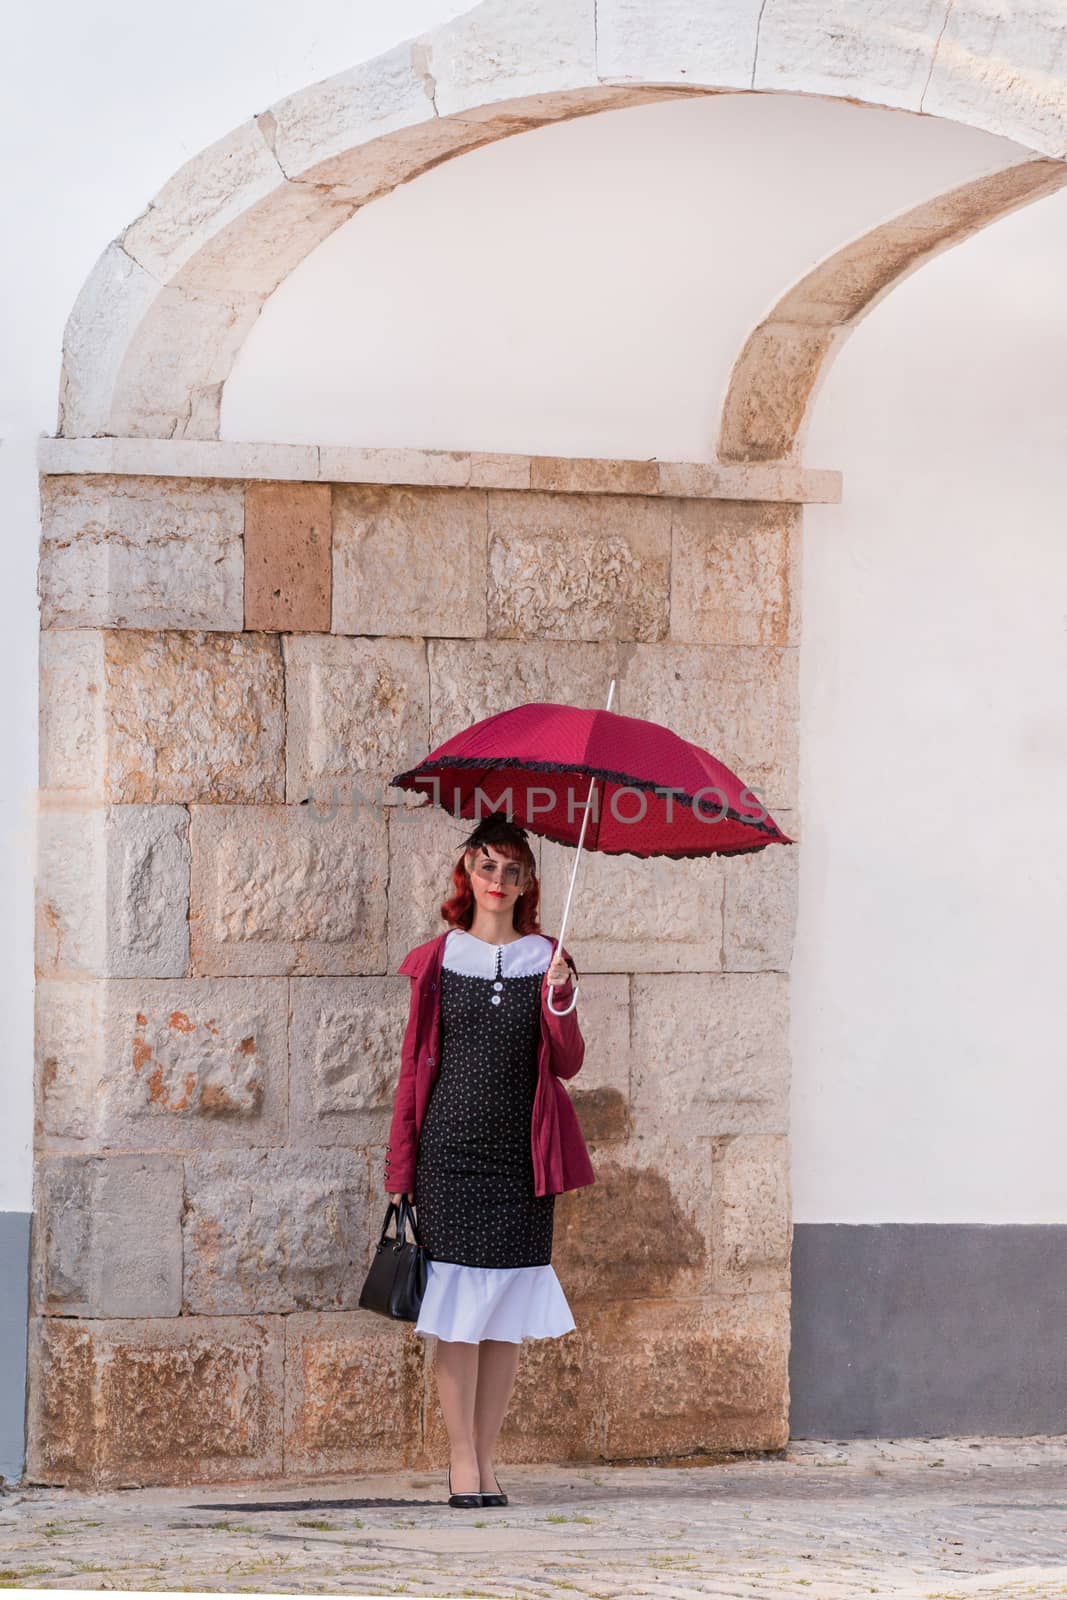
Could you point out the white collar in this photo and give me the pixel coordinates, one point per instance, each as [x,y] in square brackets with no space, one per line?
[466,953]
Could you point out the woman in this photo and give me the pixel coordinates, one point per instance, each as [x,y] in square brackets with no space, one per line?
[489,1139]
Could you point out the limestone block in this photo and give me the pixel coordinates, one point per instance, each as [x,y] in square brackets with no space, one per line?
[354,1385]
[495,52]
[425,842]
[674,40]
[287,557]
[281,889]
[770,389]
[219,185]
[140,552]
[578,566]
[277,1230]
[1002,68]
[112,891]
[735,573]
[357,714]
[752,1227]
[643,1229]
[409,560]
[194,716]
[256,251]
[593,475]
[177,362]
[346,112]
[180,458]
[474,679]
[640,1356]
[107,1236]
[434,469]
[110,306]
[637,914]
[68,1030]
[72,720]
[710,1052]
[346,1036]
[601,1090]
[180,1400]
[740,702]
[881,52]
[134,1064]
[760,905]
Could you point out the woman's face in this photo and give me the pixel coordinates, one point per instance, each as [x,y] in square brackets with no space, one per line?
[496,879]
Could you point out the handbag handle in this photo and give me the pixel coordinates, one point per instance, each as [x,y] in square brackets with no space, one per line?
[404,1215]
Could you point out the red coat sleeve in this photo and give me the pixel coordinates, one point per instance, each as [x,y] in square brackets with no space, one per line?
[566,1047]
[400,1150]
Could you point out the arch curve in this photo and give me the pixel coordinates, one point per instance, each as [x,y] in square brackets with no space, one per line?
[157,327]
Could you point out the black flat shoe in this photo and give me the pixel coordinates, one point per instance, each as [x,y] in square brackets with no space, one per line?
[498,1499]
[467,1502]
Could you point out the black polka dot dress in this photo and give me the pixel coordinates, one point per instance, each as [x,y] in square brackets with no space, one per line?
[488,1236]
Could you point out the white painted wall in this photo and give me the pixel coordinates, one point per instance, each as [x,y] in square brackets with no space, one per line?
[583,289]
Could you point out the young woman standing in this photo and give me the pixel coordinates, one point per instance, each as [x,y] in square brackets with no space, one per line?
[487,1232]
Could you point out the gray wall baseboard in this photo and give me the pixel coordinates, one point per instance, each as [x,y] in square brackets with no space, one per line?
[928,1329]
[14,1312]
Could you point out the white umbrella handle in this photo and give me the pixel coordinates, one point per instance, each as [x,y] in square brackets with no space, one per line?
[574,874]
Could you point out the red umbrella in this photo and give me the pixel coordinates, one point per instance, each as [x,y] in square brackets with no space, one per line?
[620,785]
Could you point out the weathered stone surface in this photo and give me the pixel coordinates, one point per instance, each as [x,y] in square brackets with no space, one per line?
[277,1230]
[176,1400]
[687,42]
[354,1384]
[280,889]
[112,891]
[133,1064]
[771,385]
[194,716]
[71,716]
[107,1236]
[601,1090]
[636,914]
[357,714]
[111,303]
[881,52]
[440,469]
[346,1035]
[68,1030]
[643,1229]
[592,475]
[735,573]
[740,702]
[760,904]
[474,679]
[287,560]
[409,560]
[640,1358]
[495,53]
[201,1062]
[1003,69]
[578,566]
[140,552]
[752,1230]
[710,1052]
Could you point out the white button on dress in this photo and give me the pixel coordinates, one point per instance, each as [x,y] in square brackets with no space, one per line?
[469,1302]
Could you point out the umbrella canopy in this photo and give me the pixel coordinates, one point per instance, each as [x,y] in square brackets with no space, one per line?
[654,794]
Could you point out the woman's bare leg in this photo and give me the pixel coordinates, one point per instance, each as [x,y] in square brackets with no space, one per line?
[456,1366]
[498,1361]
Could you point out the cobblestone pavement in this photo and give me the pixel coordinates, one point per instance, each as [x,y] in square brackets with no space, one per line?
[936,1519]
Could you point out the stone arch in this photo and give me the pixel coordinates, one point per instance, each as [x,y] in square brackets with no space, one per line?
[157,327]
[785,359]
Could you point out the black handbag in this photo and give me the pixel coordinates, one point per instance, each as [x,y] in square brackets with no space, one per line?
[396,1281]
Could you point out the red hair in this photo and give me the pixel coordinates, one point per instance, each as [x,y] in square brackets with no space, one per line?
[458,910]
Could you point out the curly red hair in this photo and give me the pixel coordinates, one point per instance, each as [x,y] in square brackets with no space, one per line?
[458,909]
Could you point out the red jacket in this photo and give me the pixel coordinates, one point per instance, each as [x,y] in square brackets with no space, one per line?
[560,1158]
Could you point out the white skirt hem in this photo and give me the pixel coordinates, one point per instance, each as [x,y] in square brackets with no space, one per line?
[468,1304]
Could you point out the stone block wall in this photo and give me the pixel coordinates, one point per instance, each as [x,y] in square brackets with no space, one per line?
[230,673]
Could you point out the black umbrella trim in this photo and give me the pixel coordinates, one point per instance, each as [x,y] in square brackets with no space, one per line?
[497,763]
